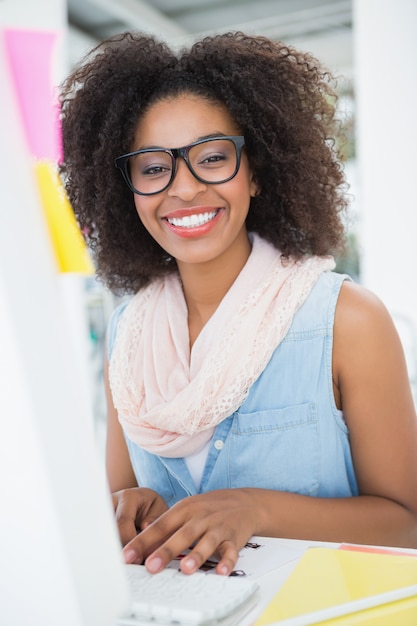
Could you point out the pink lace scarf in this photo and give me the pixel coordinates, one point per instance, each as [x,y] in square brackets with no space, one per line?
[170,400]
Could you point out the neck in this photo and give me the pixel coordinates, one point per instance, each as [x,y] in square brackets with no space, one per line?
[206,284]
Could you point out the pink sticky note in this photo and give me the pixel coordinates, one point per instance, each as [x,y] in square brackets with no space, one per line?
[30,54]
[353,547]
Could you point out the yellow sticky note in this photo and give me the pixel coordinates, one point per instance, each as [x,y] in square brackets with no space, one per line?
[68,243]
[341,587]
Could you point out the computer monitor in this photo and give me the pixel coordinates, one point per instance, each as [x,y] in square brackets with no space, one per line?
[60,556]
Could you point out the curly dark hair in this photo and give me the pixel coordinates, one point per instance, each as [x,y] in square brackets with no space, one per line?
[281,99]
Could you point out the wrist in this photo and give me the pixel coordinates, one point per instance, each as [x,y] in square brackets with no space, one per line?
[259,508]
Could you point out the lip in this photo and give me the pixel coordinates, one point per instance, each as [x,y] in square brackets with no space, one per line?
[193,231]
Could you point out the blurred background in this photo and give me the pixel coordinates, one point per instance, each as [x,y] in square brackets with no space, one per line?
[370,46]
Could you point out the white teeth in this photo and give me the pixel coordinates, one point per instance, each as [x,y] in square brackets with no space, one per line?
[191,221]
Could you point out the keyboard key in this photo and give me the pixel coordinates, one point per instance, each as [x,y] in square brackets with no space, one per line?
[194,600]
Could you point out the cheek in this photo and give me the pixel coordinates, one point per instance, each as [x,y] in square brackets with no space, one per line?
[244,189]
[245,179]
[142,209]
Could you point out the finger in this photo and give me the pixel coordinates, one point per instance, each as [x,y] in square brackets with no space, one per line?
[147,521]
[226,552]
[209,544]
[193,561]
[126,513]
[141,546]
[168,537]
[156,510]
[149,540]
[228,556]
[168,551]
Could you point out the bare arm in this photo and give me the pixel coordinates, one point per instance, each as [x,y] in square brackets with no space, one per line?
[135,507]
[119,469]
[372,387]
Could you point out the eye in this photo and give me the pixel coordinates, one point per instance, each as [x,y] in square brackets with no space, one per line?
[213,159]
[151,164]
[217,153]
[154,170]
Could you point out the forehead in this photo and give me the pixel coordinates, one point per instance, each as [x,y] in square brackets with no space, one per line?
[180,120]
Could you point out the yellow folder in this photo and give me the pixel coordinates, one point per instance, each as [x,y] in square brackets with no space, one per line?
[345,587]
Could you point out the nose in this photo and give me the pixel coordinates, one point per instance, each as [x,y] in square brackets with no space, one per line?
[185,185]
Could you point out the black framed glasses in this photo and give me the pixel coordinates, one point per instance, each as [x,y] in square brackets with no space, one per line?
[212,161]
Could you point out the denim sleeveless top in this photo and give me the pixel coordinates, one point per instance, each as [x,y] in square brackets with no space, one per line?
[288,435]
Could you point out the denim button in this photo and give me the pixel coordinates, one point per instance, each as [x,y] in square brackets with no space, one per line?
[219,444]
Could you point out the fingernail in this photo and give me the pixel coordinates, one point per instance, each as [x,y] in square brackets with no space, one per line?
[223,570]
[154,565]
[129,555]
[189,564]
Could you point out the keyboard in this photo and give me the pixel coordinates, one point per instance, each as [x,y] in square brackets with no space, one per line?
[171,597]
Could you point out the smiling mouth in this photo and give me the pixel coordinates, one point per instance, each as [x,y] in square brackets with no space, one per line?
[192,221]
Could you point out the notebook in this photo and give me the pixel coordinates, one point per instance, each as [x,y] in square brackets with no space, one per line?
[345,586]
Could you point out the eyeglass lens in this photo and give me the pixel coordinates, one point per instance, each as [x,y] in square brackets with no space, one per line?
[212,161]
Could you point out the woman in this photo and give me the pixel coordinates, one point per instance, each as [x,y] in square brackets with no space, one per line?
[251,389]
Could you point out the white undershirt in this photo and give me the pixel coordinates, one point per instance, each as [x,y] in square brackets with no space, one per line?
[195,464]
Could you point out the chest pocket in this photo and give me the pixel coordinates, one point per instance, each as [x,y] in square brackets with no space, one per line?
[276,449]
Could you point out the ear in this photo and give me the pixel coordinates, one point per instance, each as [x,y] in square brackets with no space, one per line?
[254,188]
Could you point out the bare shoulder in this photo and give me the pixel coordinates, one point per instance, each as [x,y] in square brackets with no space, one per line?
[364,331]
[359,305]
[368,357]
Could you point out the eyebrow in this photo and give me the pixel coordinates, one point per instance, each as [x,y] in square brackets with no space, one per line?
[201,138]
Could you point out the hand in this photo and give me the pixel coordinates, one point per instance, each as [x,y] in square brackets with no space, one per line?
[216,523]
[135,509]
